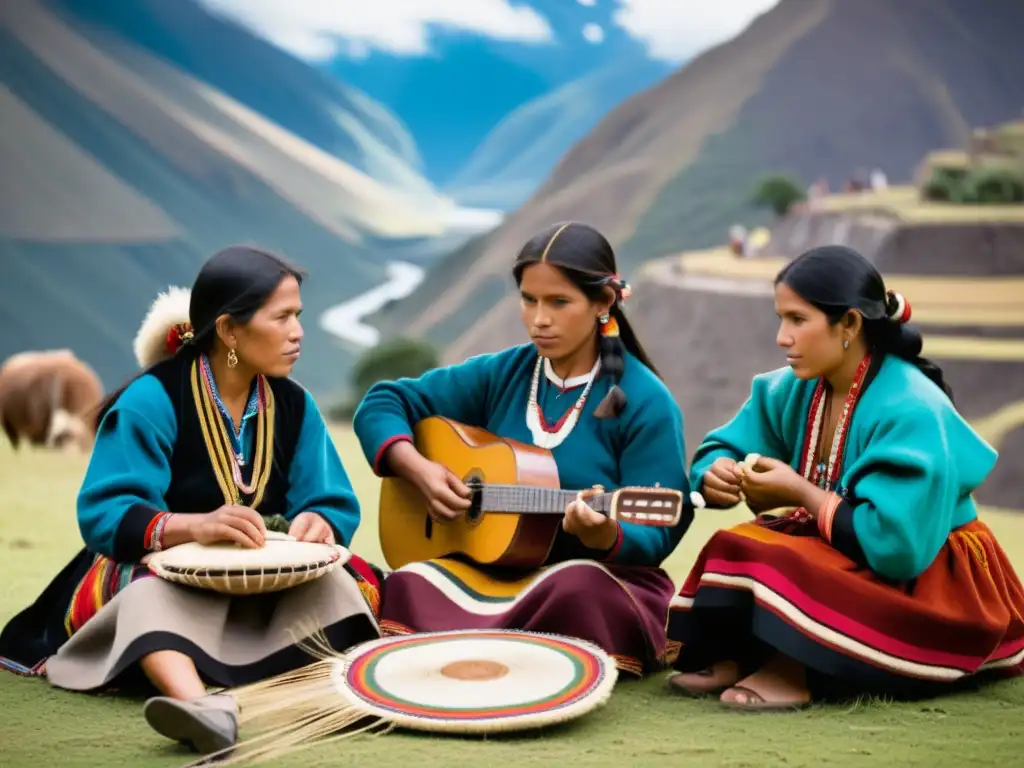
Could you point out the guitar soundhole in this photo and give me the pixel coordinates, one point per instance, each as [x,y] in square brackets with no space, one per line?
[474,480]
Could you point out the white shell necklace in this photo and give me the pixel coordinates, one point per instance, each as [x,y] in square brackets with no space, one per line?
[550,438]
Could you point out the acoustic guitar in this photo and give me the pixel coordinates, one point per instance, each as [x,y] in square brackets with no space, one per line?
[516,507]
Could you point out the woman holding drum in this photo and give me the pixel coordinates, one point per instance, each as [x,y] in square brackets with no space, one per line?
[207,443]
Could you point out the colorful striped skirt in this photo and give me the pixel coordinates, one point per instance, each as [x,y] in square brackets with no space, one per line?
[620,609]
[106,578]
[755,591]
[119,612]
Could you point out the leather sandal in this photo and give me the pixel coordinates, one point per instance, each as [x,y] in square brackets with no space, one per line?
[705,681]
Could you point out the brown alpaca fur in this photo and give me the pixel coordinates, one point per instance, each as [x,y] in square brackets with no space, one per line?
[49,398]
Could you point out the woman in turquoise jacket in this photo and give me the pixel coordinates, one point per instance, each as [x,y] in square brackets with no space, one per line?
[873,573]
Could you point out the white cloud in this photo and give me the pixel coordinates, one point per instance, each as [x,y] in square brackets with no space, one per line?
[674,30]
[593,33]
[588,3]
[319,29]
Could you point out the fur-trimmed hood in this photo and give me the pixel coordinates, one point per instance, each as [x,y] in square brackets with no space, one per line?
[169,310]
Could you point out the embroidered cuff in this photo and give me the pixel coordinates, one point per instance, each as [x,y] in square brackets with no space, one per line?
[844,538]
[380,467]
[134,533]
[826,512]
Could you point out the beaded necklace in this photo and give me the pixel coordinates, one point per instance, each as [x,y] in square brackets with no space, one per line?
[219,441]
[826,475]
[251,409]
[550,437]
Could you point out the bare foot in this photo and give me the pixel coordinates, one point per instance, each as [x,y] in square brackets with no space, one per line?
[779,684]
[718,677]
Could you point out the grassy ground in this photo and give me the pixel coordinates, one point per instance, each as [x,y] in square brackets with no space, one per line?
[642,724]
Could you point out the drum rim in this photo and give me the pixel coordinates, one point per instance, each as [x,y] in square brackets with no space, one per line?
[232,571]
[174,572]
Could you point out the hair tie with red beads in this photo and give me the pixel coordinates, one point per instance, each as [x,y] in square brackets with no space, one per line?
[622,289]
[177,335]
[900,307]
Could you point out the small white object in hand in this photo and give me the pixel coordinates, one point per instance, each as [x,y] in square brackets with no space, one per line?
[751,460]
[697,500]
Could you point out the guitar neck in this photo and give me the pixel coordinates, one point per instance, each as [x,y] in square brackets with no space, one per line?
[531,500]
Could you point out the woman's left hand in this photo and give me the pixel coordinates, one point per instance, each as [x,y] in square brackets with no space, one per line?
[309,526]
[592,528]
[770,483]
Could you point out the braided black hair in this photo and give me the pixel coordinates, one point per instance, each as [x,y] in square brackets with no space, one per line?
[836,279]
[586,258]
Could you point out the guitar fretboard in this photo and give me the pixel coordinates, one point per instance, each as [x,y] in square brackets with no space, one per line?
[526,500]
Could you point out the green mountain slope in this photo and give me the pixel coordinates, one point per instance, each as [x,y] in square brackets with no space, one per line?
[125,172]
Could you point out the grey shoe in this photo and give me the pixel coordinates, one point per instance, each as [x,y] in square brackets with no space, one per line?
[207,725]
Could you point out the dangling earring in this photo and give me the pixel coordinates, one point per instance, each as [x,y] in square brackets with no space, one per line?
[609,325]
[846,344]
[232,358]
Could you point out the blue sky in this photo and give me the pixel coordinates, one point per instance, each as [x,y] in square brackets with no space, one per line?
[319,30]
[454,70]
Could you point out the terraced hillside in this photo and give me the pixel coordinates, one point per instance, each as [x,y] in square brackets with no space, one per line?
[707,317]
[815,89]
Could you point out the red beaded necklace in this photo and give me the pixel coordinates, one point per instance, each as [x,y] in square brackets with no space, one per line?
[826,476]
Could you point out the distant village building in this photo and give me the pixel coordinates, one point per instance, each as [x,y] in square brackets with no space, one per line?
[738,240]
[857,183]
[815,192]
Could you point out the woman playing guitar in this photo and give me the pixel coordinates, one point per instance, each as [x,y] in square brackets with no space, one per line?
[585,390]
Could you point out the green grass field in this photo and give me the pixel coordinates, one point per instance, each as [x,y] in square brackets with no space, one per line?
[643,724]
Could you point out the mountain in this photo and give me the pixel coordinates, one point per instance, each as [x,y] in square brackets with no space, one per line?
[514,159]
[471,93]
[135,141]
[813,89]
[323,110]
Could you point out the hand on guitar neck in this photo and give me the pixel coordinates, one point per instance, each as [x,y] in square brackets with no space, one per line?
[594,530]
[446,495]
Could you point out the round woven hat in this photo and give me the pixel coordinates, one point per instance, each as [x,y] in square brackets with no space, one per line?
[475,681]
[466,681]
[281,563]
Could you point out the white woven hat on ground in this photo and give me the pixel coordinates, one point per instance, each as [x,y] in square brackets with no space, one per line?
[463,682]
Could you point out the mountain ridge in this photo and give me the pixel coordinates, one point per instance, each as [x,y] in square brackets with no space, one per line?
[98,128]
[516,156]
[192,39]
[797,91]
